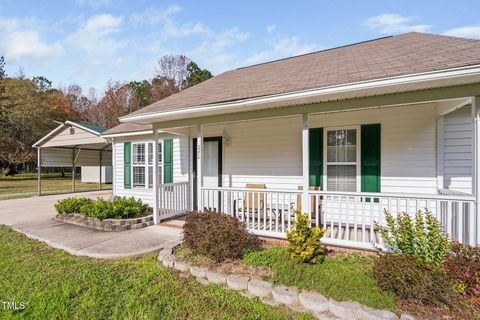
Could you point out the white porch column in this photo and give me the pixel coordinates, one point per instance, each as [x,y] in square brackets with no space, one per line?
[100,171]
[39,171]
[199,166]
[305,163]
[155,176]
[476,170]
[73,169]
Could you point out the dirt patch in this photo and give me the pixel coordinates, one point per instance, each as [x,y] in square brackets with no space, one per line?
[228,266]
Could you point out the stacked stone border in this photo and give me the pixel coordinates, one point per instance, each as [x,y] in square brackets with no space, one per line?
[292,297]
[106,224]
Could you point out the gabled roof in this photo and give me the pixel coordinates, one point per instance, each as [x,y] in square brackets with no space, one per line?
[93,129]
[401,55]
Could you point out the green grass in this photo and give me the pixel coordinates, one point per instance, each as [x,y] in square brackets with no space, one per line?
[25,185]
[56,285]
[344,277]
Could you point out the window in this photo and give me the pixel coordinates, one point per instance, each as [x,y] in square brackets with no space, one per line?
[139,165]
[150,164]
[342,160]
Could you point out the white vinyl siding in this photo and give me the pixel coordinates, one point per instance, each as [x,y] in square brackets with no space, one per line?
[458,150]
[270,151]
[146,194]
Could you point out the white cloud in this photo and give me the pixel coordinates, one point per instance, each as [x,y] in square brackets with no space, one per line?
[213,52]
[465,32]
[271,28]
[154,17]
[21,42]
[95,36]
[93,3]
[395,23]
[282,48]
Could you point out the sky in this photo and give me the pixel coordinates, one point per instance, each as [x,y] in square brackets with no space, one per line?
[91,42]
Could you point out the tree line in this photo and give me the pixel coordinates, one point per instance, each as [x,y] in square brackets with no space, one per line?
[31,107]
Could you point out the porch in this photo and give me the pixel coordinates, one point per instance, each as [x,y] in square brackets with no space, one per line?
[261,170]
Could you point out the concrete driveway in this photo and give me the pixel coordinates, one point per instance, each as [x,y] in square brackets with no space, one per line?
[34,217]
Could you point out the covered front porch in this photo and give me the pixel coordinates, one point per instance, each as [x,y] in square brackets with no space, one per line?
[343,163]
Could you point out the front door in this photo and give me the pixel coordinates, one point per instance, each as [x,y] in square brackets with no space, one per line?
[211,170]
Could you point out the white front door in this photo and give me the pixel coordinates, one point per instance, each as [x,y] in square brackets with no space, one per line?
[212,171]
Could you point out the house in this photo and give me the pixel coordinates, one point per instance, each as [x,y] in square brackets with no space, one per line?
[73,144]
[344,134]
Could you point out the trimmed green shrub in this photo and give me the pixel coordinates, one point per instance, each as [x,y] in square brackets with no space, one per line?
[411,279]
[217,236]
[118,208]
[71,205]
[304,241]
[463,263]
[421,236]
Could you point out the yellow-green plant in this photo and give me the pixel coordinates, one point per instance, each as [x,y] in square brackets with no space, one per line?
[421,236]
[304,241]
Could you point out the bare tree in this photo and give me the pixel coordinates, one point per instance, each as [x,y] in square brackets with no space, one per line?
[173,68]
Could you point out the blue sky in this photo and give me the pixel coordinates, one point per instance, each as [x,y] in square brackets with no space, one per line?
[90,42]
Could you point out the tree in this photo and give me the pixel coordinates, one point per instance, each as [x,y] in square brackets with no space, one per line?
[173,68]
[195,75]
[3,73]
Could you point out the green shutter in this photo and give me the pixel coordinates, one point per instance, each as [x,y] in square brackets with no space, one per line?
[370,158]
[168,161]
[316,157]
[127,165]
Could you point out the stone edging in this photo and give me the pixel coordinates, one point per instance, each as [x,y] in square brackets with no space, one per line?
[303,301]
[106,224]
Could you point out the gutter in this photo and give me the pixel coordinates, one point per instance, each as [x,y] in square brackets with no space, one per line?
[239,105]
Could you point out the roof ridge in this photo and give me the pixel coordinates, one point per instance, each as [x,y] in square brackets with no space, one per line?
[319,51]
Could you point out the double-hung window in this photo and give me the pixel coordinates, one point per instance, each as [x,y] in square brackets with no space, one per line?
[139,162]
[143,164]
[342,159]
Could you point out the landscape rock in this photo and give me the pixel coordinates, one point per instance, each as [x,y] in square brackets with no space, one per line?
[313,301]
[236,282]
[181,266]
[375,314]
[285,295]
[405,316]
[259,288]
[198,272]
[216,277]
[346,309]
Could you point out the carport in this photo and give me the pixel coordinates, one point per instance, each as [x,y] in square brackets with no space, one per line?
[73,145]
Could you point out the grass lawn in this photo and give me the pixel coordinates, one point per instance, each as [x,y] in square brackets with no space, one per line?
[25,185]
[343,277]
[56,285]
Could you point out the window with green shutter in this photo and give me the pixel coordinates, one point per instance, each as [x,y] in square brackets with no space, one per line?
[127,165]
[370,158]
[168,161]
[316,157]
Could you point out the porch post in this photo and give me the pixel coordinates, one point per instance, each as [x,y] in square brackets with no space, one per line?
[199,166]
[155,176]
[39,171]
[305,163]
[475,238]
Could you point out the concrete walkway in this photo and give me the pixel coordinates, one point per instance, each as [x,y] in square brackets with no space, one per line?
[34,218]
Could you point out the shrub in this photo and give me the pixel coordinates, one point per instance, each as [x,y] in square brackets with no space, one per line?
[463,263]
[71,205]
[421,236]
[412,279]
[118,208]
[304,241]
[218,236]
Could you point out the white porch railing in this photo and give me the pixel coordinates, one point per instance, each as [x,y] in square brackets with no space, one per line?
[347,217]
[173,199]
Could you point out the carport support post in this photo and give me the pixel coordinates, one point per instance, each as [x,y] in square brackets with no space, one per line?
[474,233]
[39,171]
[155,177]
[100,173]
[305,163]
[73,170]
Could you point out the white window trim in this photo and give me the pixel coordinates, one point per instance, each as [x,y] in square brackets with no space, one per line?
[145,165]
[358,155]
